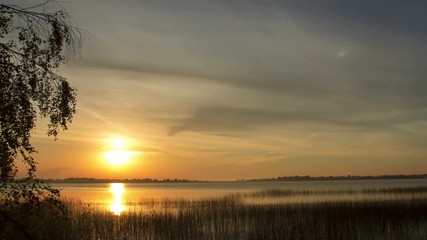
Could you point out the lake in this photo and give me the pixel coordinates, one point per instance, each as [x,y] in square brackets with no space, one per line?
[305,210]
[94,192]
[116,196]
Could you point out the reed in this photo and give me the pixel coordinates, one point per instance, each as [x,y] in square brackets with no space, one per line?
[231,218]
[364,191]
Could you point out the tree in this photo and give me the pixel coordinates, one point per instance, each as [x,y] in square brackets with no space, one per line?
[34,43]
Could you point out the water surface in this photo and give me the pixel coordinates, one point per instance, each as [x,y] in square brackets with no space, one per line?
[117,197]
[94,192]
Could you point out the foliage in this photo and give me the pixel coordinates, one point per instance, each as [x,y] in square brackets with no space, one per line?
[32,47]
[36,216]
[34,43]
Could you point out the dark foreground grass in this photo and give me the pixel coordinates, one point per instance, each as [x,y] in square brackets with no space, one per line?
[228,218]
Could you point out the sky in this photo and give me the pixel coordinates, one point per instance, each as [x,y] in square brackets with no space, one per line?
[225,90]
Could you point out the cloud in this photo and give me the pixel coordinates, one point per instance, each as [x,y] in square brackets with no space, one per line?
[381,15]
[231,120]
[291,48]
[351,66]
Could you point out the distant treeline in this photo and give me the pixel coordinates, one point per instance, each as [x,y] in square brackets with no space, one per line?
[285,178]
[348,177]
[126,180]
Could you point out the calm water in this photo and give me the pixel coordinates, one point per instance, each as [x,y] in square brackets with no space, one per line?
[116,196]
[95,192]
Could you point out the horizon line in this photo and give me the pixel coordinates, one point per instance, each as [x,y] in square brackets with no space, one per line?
[279,178]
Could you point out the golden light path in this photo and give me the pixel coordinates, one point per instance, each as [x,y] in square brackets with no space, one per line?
[117,207]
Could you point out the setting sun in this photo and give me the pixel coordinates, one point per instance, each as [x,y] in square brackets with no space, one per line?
[118,153]
[118,157]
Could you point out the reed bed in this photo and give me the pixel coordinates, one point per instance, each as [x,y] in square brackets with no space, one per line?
[227,218]
[230,218]
[333,192]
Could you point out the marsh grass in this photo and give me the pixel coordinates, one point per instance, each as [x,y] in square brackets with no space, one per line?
[230,217]
[403,216]
[334,192]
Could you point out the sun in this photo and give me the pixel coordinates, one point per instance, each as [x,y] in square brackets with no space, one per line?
[118,157]
[118,153]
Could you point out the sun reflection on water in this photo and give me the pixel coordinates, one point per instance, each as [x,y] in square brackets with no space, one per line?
[117,207]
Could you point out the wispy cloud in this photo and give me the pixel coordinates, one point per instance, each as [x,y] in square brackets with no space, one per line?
[220,119]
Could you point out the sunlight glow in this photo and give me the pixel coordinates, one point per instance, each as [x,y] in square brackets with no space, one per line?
[118,153]
[118,157]
[117,207]
[117,143]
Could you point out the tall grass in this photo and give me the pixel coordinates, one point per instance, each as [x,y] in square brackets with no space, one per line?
[230,218]
[227,218]
[421,190]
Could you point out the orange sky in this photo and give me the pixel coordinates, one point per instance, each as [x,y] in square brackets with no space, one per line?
[217,90]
